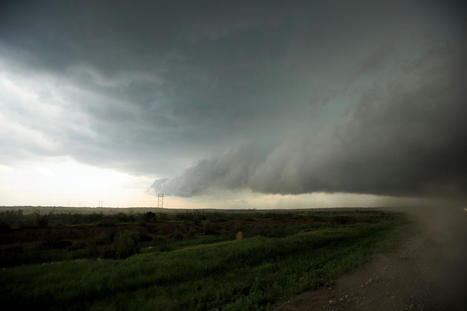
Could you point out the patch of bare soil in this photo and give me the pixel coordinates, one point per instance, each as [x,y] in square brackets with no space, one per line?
[428,272]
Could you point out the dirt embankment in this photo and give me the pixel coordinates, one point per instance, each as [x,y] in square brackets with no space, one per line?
[428,272]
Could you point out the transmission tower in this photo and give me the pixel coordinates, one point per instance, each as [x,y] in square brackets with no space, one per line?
[160,200]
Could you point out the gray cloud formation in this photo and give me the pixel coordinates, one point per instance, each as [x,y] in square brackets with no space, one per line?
[145,88]
[404,137]
[151,88]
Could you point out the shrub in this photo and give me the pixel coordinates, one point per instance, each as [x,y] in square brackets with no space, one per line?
[78,245]
[122,217]
[127,244]
[177,235]
[108,252]
[191,232]
[103,238]
[145,237]
[149,217]
[42,220]
[209,228]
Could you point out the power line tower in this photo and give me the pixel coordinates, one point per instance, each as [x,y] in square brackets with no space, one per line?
[160,200]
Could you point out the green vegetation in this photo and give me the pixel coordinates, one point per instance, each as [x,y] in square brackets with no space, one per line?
[188,260]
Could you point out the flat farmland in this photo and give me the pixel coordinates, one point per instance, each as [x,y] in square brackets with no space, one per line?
[183,260]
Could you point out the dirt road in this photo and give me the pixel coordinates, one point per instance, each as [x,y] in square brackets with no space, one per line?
[428,272]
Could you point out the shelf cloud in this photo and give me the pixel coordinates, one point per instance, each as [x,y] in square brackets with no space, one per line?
[266,96]
[405,137]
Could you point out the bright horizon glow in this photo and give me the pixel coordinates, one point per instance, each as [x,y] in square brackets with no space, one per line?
[66,182]
[63,181]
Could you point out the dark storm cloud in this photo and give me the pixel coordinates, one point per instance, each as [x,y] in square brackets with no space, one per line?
[159,83]
[152,87]
[405,137]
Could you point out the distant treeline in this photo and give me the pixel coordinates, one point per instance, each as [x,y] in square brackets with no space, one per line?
[14,219]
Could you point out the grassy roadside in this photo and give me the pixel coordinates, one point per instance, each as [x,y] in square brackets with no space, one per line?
[250,274]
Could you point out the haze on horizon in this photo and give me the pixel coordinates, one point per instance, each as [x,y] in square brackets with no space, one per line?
[238,104]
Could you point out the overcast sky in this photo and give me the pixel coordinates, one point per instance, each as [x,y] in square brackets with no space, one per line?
[335,102]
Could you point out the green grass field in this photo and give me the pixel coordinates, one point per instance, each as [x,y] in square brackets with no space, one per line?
[202,266]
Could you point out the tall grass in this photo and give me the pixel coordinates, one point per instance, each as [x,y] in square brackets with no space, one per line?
[249,274]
